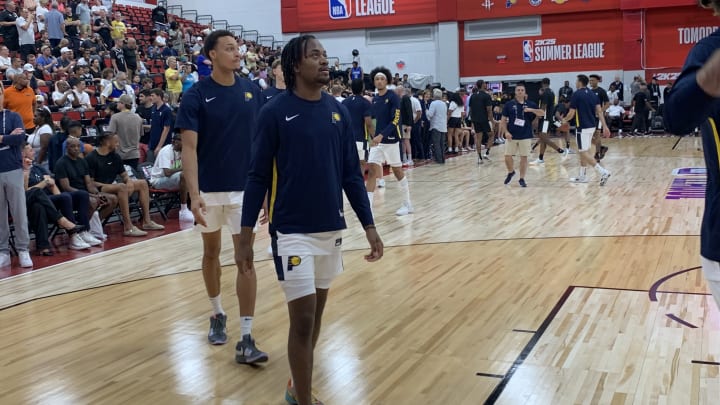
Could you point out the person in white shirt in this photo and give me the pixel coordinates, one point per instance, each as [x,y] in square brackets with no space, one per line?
[337,93]
[117,88]
[613,94]
[5,60]
[437,114]
[166,174]
[62,96]
[14,69]
[79,94]
[615,114]
[455,118]
[40,12]
[26,33]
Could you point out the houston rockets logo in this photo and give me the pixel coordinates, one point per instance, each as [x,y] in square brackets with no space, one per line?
[510,3]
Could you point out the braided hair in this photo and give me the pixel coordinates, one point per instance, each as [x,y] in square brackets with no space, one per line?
[292,54]
[712,4]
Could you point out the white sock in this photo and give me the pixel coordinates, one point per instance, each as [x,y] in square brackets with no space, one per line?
[600,169]
[217,305]
[583,171]
[246,325]
[409,157]
[405,187]
[370,197]
[183,207]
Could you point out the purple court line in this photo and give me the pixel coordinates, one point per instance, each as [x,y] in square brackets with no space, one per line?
[652,293]
[681,321]
[490,375]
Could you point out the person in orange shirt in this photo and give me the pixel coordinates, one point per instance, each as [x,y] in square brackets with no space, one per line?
[21,99]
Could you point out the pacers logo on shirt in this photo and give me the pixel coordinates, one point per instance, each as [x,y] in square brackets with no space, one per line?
[335,117]
[248,96]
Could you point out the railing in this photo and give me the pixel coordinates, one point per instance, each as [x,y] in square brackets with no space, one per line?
[220,24]
[250,35]
[277,44]
[175,10]
[236,29]
[266,40]
[191,15]
[205,19]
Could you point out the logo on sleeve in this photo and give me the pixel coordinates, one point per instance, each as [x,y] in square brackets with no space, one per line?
[335,117]
[248,96]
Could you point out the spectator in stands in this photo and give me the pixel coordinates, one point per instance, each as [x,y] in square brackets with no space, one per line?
[39,140]
[15,68]
[198,47]
[40,11]
[160,40]
[128,127]
[166,174]
[105,167]
[62,96]
[9,29]
[96,70]
[102,27]
[615,114]
[40,103]
[5,60]
[131,56]
[99,8]
[26,33]
[117,88]
[80,98]
[204,66]
[251,58]
[66,63]
[144,105]
[118,27]
[42,41]
[118,57]
[94,44]
[174,81]
[84,15]
[21,99]
[47,63]
[175,36]
[12,195]
[72,174]
[159,14]
[84,74]
[189,76]
[72,29]
[42,210]
[161,122]
[55,23]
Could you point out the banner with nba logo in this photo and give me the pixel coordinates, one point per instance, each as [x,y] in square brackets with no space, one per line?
[330,15]
[578,42]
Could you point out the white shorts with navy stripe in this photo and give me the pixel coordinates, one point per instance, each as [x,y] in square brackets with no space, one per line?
[584,138]
[306,262]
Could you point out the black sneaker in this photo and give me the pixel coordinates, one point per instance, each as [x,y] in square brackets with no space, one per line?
[509,177]
[218,333]
[247,353]
[522,183]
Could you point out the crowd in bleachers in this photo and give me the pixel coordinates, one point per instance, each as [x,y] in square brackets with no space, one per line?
[94,86]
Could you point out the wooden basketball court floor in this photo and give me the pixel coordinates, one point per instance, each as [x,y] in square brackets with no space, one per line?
[554,294]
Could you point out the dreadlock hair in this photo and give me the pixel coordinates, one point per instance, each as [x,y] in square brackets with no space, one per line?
[381,69]
[292,54]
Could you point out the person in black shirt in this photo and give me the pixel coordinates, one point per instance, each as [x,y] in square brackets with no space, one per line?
[655,95]
[547,104]
[407,120]
[131,57]
[72,29]
[105,167]
[118,57]
[361,115]
[641,106]
[9,29]
[566,91]
[72,174]
[594,86]
[481,117]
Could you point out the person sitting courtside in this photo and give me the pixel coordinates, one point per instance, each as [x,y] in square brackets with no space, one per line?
[105,166]
[166,174]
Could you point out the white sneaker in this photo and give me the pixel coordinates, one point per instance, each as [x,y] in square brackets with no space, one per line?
[77,243]
[486,157]
[101,236]
[405,210]
[381,183]
[578,179]
[537,162]
[604,178]
[89,239]
[4,260]
[25,260]
[410,162]
[565,153]
[186,216]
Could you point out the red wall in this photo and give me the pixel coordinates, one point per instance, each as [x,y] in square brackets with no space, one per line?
[479,58]
[665,47]
[477,9]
